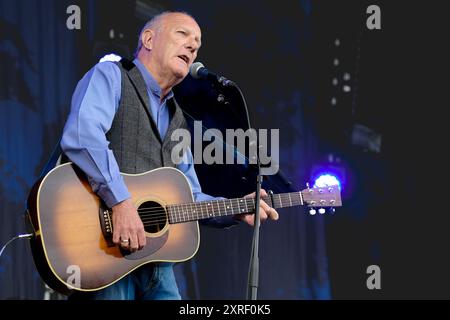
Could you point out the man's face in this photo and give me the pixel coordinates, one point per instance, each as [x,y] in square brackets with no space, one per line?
[175,45]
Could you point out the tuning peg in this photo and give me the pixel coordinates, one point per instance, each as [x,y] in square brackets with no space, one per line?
[332,210]
[321,211]
[312,211]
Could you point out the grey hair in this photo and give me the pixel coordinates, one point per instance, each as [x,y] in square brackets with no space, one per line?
[155,23]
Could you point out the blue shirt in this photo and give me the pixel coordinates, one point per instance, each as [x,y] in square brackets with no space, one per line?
[94,105]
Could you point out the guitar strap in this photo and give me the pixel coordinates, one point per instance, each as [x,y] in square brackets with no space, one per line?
[57,157]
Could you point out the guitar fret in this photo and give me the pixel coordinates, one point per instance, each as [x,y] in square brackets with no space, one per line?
[290,200]
[169,211]
[191,205]
[204,210]
[224,207]
[249,205]
[179,212]
[171,214]
[185,212]
[211,209]
[208,206]
[201,210]
[195,212]
[279,199]
[175,213]
[301,197]
[231,204]
[218,208]
[241,209]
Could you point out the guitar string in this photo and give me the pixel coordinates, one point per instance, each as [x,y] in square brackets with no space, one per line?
[198,209]
[220,202]
[155,212]
[200,206]
[155,222]
[161,216]
[174,220]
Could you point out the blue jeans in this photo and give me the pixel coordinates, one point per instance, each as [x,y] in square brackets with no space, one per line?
[153,281]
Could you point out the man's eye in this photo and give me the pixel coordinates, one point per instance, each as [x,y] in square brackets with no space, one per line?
[182,31]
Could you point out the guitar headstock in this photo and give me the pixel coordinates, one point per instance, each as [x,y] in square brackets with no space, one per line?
[322,197]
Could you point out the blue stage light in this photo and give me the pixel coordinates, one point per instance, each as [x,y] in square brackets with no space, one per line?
[327,179]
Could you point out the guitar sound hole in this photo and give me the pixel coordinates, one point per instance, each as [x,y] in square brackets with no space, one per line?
[153,216]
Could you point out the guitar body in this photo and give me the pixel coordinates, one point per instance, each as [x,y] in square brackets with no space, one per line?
[68,221]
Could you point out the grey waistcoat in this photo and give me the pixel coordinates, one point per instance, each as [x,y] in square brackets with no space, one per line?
[134,137]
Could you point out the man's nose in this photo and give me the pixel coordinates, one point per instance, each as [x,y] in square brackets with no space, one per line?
[192,45]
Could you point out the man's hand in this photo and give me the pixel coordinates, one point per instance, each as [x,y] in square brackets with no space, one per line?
[264,211]
[127,225]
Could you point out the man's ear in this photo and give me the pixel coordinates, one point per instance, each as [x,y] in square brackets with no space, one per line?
[147,39]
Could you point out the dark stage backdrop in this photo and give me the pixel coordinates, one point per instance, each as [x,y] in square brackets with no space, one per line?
[261,45]
[38,72]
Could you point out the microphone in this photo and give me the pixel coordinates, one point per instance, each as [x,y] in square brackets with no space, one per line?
[199,71]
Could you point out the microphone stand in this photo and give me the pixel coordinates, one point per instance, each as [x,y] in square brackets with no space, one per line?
[253,270]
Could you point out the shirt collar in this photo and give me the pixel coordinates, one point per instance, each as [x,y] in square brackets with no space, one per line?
[150,82]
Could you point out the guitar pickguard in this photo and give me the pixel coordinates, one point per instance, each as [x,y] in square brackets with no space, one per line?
[153,245]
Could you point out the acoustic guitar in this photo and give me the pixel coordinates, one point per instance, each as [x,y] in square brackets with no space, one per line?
[72,245]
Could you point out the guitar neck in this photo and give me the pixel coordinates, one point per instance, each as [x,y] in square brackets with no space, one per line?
[216,208]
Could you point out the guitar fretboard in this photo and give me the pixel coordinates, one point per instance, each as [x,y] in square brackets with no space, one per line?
[215,208]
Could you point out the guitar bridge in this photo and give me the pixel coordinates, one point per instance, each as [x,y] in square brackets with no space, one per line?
[106,225]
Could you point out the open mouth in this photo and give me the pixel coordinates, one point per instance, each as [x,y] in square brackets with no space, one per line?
[184,58]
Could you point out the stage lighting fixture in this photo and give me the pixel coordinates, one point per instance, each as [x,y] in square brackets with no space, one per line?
[329,172]
[327,179]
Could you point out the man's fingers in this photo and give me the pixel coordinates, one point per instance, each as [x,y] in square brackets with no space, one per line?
[262,213]
[134,244]
[265,211]
[250,219]
[124,240]
[142,239]
[263,193]
[274,214]
[116,236]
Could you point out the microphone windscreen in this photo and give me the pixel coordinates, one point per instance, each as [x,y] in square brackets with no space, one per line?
[195,67]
